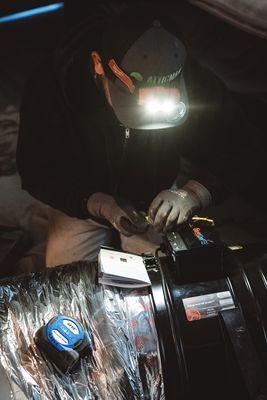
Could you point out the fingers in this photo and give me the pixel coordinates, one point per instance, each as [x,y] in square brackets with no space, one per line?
[133,220]
[162,215]
[131,228]
[138,219]
[183,217]
[131,213]
[156,203]
[121,229]
[170,208]
[172,218]
[169,215]
[128,226]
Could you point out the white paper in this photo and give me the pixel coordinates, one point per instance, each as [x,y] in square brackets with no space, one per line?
[127,269]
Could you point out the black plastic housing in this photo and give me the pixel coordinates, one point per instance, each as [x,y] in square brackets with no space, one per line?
[223,356]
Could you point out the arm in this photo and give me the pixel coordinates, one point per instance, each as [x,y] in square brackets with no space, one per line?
[55,168]
[224,150]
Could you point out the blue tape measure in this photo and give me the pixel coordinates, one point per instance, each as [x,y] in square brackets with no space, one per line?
[64,332]
[63,341]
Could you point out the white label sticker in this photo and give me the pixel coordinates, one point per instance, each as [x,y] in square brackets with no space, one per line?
[208,305]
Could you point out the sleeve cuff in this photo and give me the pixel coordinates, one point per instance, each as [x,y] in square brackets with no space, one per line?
[200,191]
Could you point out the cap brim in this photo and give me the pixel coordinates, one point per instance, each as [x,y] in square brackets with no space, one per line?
[133,116]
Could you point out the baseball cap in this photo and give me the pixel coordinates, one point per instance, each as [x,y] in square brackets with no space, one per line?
[143,61]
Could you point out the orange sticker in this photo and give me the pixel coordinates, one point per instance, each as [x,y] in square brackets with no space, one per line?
[121,75]
[193,314]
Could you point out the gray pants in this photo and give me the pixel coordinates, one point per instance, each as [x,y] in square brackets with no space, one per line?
[73,239]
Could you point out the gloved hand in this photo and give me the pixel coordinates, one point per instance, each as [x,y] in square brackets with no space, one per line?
[176,206]
[120,214]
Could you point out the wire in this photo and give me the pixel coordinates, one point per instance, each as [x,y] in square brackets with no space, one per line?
[31,13]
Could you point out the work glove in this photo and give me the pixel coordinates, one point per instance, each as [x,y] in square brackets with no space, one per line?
[119,213]
[174,207]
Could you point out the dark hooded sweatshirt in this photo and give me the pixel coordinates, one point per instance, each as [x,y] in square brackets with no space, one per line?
[71,144]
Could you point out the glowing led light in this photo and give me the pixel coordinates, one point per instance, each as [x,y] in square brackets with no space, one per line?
[153,106]
[168,107]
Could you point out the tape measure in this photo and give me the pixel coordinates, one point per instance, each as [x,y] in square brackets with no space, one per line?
[63,341]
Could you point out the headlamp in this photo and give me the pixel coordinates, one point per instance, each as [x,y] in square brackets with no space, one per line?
[152,107]
[162,104]
[167,109]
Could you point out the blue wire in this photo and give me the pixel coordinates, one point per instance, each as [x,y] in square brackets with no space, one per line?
[31,13]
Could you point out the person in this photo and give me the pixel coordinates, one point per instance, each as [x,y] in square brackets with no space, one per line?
[121,122]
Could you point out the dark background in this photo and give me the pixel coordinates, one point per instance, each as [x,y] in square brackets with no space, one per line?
[22,45]
[236,57]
